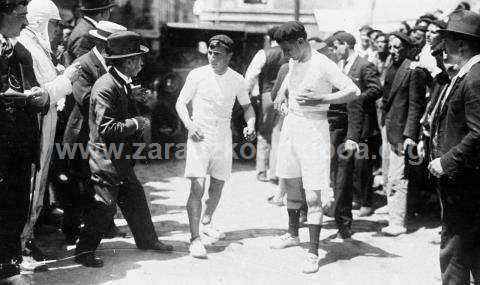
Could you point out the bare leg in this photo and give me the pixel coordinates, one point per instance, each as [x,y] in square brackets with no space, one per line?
[194,205]
[214,195]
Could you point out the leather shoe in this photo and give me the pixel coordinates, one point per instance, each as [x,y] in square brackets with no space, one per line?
[89,260]
[262,176]
[159,246]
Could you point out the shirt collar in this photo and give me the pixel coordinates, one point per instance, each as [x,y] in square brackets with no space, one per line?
[123,76]
[470,63]
[92,21]
[100,57]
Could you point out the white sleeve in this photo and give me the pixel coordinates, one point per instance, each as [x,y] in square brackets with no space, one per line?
[336,77]
[189,88]
[254,69]
[242,94]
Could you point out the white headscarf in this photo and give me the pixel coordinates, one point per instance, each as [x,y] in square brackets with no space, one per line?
[39,13]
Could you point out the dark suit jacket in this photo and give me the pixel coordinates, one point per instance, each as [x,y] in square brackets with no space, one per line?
[77,126]
[19,128]
[405,104]
[457,126]
[80,41]
[362,113]
[111,126]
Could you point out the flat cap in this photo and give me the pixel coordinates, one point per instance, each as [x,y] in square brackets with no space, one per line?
[223,39]
[290,31]
[345,37]
[404,38]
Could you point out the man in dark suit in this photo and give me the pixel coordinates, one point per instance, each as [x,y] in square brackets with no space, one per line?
[355,171]
[19,134]
[455,152]
[403,104]
[114,123]
[93,66]
[80,41]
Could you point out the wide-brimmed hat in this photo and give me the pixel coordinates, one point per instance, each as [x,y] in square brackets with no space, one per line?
[94,5]
[463,22]
[105,29]
[124,44]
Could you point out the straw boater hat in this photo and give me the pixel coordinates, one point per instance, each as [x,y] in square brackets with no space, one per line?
[105,29]
[463,22]
[124,44]
[95,5]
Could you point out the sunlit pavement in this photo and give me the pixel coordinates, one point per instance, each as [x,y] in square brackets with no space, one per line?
[244,257]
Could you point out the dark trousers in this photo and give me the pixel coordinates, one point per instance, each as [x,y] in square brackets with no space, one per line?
[130,197]
[341,175]
[15,175]
[363,164]
[459,256]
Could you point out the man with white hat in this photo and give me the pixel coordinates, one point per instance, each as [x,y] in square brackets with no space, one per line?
[93,66]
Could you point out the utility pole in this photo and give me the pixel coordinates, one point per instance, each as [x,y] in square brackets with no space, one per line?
[297,10]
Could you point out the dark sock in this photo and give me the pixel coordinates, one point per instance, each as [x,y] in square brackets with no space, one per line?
[314,238]
[293,221]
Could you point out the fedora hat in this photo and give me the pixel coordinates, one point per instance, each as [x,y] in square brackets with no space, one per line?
[93,5]
[124,44]
[105,29]
[463,22]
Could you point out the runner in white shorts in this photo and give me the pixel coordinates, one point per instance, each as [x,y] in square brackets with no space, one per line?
[212,89]
[304,149]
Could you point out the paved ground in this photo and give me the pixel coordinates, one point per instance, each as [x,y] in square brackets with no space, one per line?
[244,257]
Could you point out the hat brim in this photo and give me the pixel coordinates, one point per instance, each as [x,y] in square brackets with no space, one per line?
[95,34]
[447,31]
[99,8]
[143,50]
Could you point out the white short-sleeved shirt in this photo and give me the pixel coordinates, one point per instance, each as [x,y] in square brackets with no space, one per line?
[213,95]
[319,74]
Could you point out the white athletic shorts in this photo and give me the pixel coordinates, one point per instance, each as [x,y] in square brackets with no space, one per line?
[304,151]
[213,155]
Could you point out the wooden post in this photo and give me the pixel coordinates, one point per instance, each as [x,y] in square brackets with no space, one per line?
[297,10]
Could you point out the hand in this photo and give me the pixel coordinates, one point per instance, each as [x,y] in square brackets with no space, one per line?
[308,98]
[277,103]
[351,146]
[195,133]
[150,99]
[408,142]
[37,96]
[249,133]
[61,104]
[73,72]
[435,167]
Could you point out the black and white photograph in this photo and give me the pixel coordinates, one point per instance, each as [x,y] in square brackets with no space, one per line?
[240,142]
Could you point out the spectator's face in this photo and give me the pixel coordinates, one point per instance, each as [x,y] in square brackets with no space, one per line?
[397,50]
[218,57]
[418,37]
[403,29]
[292,49]
[382,44]
[452,49]
[432,33]
[364,39]
[55,33]
[12,24]
[373,36]
[340,49]
[134,65]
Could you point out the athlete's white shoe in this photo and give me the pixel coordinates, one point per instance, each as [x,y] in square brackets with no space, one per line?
[285,241]
[197,249]
[211,232]
[311,264]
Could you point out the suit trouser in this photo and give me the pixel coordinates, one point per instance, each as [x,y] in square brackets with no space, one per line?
[363,172]
[341,169]
[268,136]
[397,188]
[130,197]
[14,205]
